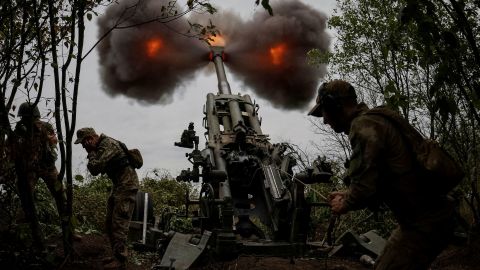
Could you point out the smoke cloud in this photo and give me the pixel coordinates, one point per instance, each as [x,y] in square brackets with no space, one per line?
[146,61]
[268,53]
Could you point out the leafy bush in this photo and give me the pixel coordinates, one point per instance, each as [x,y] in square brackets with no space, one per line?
[168,197]
[91,195]
[90,201]
[167,193]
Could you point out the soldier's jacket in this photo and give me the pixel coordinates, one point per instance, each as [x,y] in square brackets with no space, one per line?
[382,168]
[111,159]
[32,143]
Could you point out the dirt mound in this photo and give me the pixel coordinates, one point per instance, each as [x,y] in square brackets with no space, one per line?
[93,248]
[268,263]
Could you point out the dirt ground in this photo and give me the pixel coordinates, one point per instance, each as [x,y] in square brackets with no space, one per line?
[91,249]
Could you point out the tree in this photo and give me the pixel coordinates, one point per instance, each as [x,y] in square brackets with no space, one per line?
[43,40]
[448,37]
[420,58]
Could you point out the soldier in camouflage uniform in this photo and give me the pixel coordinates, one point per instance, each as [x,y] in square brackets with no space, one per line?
[33,148]
[382,168]
[106,156]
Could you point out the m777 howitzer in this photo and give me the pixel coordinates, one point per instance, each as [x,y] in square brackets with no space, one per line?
[249,201]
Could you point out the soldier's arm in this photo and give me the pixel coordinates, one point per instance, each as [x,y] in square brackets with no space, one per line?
[364,169]
[98,160]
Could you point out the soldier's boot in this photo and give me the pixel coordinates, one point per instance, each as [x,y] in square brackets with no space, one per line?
[119,259]
[117,262]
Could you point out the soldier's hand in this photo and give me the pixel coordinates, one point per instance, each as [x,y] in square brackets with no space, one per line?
[91,154]
[337,201]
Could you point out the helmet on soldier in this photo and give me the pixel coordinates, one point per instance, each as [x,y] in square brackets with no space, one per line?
[84,133]
[330,94]
[27,110]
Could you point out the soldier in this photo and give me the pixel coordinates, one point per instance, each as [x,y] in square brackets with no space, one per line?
[106,155]
[382,168]
[33,148]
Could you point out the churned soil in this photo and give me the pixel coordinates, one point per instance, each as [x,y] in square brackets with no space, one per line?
[93,248]
[267,263]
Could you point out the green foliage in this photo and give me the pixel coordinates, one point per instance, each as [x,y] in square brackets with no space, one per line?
[421,58]
[266,6]
[317,57]
[91,195]
[365,220]
[180,224]
[45,204]
[168,194]
[89,203]
[13,221]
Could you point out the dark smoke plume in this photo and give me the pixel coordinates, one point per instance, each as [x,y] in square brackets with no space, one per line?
[286,80]
[268,53]
[147,61]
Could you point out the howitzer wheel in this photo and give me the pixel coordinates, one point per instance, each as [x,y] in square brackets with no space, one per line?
[207,206]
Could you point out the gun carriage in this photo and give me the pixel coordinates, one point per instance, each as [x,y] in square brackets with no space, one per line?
[249,201]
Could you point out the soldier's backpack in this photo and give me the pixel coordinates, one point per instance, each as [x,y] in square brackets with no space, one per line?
[440,167]
[134,156]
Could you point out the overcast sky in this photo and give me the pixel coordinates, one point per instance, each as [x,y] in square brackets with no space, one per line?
[154,128]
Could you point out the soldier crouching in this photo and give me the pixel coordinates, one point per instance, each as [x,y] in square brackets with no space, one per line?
[105,155]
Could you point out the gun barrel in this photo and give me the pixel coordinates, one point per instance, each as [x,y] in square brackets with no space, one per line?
[217,58]
[212,118]
[252,116]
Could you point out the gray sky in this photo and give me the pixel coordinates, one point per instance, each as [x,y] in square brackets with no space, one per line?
[154,128]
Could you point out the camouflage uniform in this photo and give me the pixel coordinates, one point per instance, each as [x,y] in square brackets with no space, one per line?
[111,159]
[382,168]
[35,156]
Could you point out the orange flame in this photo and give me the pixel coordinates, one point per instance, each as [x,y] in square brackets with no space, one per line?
[217,40]
[153,46]
[277,54]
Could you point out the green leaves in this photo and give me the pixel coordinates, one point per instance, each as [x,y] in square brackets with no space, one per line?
[445,106]
[265,5]
[394,98]
[317,57]
[79,178]
[208,7]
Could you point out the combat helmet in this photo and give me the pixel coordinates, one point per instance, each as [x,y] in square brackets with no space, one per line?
[329,95]
[27,110]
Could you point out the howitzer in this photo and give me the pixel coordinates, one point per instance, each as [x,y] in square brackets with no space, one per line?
[248,200]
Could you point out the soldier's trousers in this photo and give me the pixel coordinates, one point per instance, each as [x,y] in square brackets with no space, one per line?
[120,206]
[26,182]
[409,249]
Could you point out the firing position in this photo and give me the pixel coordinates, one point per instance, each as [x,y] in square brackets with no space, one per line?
[32,147]
[383,169]
[107,156]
